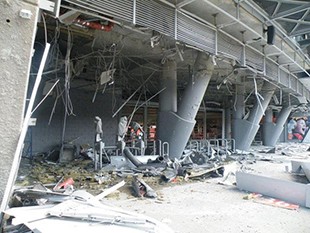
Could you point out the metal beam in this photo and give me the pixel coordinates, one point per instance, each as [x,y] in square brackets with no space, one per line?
[184,3]
[276,10]
[289,40]
[289,1]
[304,43]
[301,21]
[297,21]
[289,191]
[251,30]
[292,11]
[301,32]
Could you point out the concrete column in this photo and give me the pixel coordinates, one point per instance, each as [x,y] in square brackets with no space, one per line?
[227,123]
[268,115]
[168,97]
[259,109]
[17,39]
[272,131]
[195,91]
[238,109]
[176,128]
[245,130]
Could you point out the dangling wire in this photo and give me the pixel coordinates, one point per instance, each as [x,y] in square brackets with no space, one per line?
[134,110]
[246,99]
[235,102]
[68,103]
[59,94]
[97,79]
[45,30]
[258,96]
[47,94]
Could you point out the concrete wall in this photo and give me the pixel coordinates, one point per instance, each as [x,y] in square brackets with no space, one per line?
[16,42]
[80,126]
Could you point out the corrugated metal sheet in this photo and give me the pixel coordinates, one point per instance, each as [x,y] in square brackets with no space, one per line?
[254,59]
[185,28]
[195,33]
[228,46]
[156,16]
[113,8]
[284,78]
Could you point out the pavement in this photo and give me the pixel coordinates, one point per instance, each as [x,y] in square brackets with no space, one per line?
[207,206]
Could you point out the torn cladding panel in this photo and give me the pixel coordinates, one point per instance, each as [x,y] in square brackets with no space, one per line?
[289,191]
[80,213]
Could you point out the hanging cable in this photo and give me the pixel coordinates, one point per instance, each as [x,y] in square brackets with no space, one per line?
[156,94]
[258,96]
[246,99]
[134,110]
[68,103]
[47,94]
[133,94]
[59,94]
[235,102]
[45,30]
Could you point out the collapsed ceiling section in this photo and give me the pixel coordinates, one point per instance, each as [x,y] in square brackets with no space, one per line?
[124,43]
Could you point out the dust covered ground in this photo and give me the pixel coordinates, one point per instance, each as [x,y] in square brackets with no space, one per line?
[201,205]
[206,206]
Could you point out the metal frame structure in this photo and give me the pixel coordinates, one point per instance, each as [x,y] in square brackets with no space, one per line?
[280,63]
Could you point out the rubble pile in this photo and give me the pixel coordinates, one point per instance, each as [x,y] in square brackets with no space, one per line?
[72,186]
[139,176]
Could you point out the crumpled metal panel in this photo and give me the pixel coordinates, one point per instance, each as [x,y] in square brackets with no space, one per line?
[195,33]
[156,16]
[114,8]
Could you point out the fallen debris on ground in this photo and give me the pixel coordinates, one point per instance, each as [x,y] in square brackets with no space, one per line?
[79,212]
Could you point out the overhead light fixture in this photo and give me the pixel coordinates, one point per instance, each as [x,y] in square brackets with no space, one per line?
[68,17]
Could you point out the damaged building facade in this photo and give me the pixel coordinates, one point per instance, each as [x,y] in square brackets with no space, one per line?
[191,72]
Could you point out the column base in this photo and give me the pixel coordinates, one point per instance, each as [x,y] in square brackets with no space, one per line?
[244,133]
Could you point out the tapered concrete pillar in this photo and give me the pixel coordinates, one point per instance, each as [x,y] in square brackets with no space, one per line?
[238,109]
[245,130]
[176,128]
[168,97]
[18,25]
[239,106]
[271,130]
[268,115]
[227,123]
